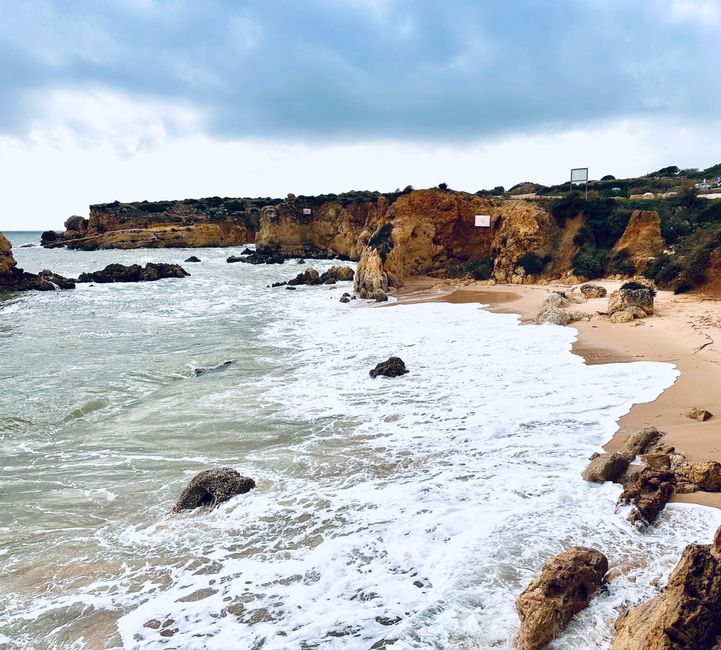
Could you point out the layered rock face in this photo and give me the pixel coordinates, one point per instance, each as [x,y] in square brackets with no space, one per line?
[642,239]
[163,224]
[15,279]
[311,229]
[686,613]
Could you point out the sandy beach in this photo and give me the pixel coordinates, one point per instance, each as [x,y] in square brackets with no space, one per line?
[684,331]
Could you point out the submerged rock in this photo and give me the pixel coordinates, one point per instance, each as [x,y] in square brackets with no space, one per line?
[193,259]
[203,371]
[648,495]
[686,613]
[345,297]
[212,487]
[393,367]
[134,273]
[565,587]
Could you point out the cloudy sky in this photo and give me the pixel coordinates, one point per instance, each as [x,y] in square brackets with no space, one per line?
[156,99]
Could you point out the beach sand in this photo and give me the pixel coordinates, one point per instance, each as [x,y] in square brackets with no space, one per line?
[685,331]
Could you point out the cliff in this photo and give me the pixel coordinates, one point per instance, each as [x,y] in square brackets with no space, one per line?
[162,224]
[641,241]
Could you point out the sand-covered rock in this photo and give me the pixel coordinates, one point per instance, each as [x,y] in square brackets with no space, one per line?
[685,615]
[700,414]
[648,495]
[564,587]
[212,487]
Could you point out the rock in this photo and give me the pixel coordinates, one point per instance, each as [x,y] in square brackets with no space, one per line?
[15,279]
[338,274]
[371,278]
[555,299]
[686,613]
[76,224]
[310,276]
[134,273]
[699,414]
[648,495]
[605,467]
[639,442]
[575,316]
[393,367]
[49,237]
[203,371]
[591,291]
[705,475]
[212,487]
[292,288]
[193,259]
[300,261]
[345,297]
[632,294]
[565,587]
[381,296]
[553,315]
[621,317]
[635,312]
[233,259]
[690,477]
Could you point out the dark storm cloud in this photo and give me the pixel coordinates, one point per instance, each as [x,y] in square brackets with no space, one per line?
[340,69]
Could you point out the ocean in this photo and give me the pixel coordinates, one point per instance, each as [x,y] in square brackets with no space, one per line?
[403,513]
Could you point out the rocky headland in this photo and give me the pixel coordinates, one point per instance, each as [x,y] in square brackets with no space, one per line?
[14,279]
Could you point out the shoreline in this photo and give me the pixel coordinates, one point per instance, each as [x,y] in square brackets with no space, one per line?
[683,332]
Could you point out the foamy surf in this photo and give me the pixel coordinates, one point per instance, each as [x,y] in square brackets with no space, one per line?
[409,511]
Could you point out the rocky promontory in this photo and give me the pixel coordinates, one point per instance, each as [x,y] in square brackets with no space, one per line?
[15,279]
[189,223]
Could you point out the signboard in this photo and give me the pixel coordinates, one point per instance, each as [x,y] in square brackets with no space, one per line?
[306,210]
[483,221]
[579,175]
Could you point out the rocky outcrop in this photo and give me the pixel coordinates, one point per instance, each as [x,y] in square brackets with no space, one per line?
[134,273]
[213,487]
[610,466]
[648,495]
[371,278]
[630,295]
[310,276]
[338,274]
[690,477]
[15,279]
[565,587]
[686,613]
[162,224]
[392,367]
[641,241]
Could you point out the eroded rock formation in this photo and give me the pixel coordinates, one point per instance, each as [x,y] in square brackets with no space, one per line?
[564,587]
[642,240]
[648,495]
[15,279]
[134,273]
[686,613]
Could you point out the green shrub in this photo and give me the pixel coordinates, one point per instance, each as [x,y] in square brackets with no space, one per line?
[532,263]
[635,286]
[590,262]
[618,263]
[382,240]
[480,269]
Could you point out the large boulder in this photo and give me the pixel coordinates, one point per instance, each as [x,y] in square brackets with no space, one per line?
[392,367]
[77,225]
[212,487]
[648,495]
[338,273]
[310,276]
[640,441]
[686,613]
[134,273]
[565,587]
[553,315]
[632,294]
[605,467]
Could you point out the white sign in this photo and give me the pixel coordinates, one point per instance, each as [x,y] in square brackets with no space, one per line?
[483,221]
[579,175]
[306,210]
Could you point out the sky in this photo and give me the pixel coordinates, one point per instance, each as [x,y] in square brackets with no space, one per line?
[104,100]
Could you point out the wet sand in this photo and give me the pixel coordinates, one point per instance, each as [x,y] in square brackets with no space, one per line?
[685,331]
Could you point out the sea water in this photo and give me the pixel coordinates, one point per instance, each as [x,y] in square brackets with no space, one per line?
[404,513]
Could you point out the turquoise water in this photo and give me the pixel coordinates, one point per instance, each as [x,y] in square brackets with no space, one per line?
[411,510]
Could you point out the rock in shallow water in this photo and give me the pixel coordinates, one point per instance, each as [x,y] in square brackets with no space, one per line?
[393,367]
[686,613]
[648,495]
[212,487]
[134,273]
[565,587]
